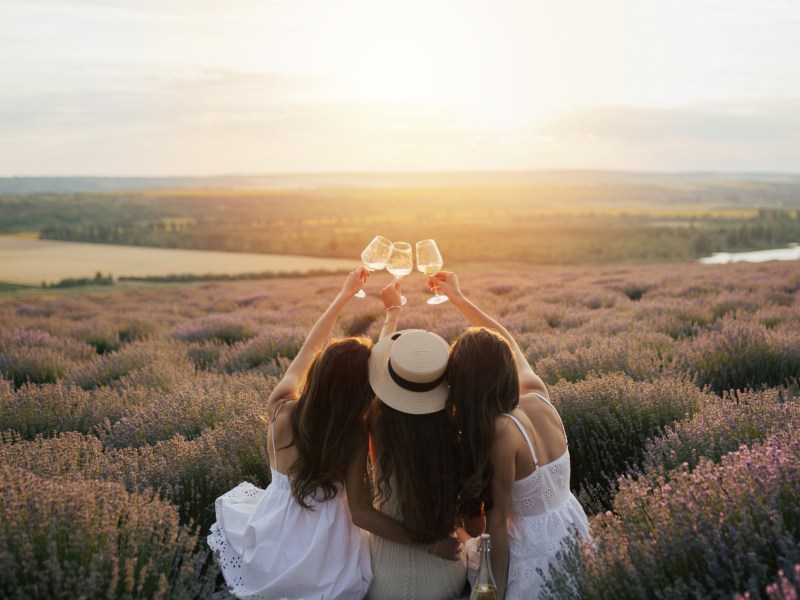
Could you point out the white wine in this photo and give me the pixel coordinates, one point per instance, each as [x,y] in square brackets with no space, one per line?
[484,587]
[430,269]
[399,272]
[429,261]
[374,266]
[483,592]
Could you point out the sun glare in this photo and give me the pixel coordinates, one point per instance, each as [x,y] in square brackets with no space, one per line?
[395,71]
[483,69]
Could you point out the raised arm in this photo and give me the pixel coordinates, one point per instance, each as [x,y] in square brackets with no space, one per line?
[288,386]
[392,304]
[447,281]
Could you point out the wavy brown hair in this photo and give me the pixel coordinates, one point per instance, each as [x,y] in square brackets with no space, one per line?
[328,422]
[417,457]
[484,384]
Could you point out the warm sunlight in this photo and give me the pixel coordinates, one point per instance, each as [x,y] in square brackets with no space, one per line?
[308,85]
[394,72]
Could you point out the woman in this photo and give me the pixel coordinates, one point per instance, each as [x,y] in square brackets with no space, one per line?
[297,539]
[515,462]
[414,456]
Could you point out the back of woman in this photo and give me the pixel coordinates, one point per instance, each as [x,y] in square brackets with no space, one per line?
[414,455]
[297,539]
[514,458]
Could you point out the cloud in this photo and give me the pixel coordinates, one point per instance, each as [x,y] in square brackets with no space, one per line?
[760,135]
[765,119]
[218,120]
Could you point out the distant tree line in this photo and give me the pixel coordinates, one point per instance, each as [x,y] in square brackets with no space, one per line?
[599,225]
[70,282]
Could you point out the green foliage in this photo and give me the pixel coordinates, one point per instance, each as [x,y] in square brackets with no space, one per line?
[98,279]
[89,539]
[722,528]
[609,418]
[620,222]
[741,354]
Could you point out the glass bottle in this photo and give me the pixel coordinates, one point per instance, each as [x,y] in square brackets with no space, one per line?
[484,587]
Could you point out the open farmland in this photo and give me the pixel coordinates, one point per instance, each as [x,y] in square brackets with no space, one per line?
[125,415]
[541,218]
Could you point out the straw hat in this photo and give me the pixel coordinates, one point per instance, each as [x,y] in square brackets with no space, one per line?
[406,371]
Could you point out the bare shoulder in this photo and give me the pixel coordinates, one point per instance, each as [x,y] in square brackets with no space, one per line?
[502,427]
[505,436]
[543,416]
[282,417]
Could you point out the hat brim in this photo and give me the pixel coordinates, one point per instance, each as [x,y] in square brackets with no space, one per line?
[390,393]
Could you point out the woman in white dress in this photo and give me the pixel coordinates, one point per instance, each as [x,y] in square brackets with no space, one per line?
[515,462]
[300,537]
[414,456]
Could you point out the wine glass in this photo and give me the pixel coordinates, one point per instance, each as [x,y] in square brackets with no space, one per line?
[374,257]
[400,263]
[429,261]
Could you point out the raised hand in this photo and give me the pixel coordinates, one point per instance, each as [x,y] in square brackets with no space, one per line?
[391,294]
[447,282]
[449,548]
[356,280]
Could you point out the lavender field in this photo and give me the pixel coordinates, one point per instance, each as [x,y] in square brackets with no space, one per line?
[124,415]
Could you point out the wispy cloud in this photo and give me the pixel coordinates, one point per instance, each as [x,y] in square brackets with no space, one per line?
[206,86]
[756,120]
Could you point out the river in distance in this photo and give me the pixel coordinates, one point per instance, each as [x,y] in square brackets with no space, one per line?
[792,252]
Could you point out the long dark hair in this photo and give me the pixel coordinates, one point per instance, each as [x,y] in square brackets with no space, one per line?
[328,422]
[417,457]
[484,384]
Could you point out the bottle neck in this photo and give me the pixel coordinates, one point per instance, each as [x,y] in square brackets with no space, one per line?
[484,574]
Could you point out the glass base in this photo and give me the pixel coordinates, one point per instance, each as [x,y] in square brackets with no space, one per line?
[360,294]
[403,300]
[438,299]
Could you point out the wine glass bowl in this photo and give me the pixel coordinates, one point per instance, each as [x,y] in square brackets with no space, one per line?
[429,262]
[374,256]
[400,262]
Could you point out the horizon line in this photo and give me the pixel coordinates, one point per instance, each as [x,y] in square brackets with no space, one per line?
[412,172]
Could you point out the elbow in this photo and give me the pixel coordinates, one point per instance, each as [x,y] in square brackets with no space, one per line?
[359,514]
[359,520]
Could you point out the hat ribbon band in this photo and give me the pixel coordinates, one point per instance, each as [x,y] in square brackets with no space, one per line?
[413,386]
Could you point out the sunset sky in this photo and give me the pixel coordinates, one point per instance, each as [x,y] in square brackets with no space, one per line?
[196,87]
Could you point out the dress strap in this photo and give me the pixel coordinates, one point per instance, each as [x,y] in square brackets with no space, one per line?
[525,434]
[272,433]
[554,408]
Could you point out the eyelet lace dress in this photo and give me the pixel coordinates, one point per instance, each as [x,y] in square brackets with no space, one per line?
[269,547]
[543,513]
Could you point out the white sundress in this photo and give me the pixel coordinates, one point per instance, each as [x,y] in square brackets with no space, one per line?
[269,547]
[543,513]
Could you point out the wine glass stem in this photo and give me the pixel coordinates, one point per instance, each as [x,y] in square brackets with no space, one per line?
[403,299]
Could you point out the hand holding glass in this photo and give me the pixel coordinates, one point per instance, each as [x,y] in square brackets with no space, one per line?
[429,261]
[374,256]
[400,263]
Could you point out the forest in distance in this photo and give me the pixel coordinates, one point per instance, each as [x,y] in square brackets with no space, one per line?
[577,218]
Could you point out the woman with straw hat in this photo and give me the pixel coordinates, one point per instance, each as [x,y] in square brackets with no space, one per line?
[414,454]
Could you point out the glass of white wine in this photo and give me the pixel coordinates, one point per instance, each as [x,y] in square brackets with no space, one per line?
[374,257]
[400,263]
[429,261]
